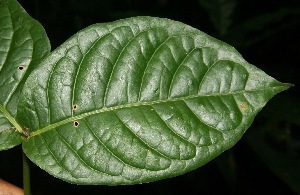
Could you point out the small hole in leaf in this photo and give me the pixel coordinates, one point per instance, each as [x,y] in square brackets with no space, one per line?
[76,123]
[75,107]
[21,68]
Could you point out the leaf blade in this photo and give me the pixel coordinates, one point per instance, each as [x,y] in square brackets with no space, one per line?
[23,44]
[138,100]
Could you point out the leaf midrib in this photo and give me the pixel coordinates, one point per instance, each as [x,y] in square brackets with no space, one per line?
[146,103]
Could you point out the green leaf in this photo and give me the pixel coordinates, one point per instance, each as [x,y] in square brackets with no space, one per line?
[138,100]
[23,44]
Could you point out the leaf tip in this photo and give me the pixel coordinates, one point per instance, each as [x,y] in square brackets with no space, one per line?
[284,86]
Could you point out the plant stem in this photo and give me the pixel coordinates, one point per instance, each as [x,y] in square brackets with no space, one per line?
[26,175]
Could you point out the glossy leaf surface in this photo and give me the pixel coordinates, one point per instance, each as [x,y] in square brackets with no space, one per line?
[23,44]
[138,100]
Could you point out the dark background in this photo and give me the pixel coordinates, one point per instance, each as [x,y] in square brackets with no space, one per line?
[266,32]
